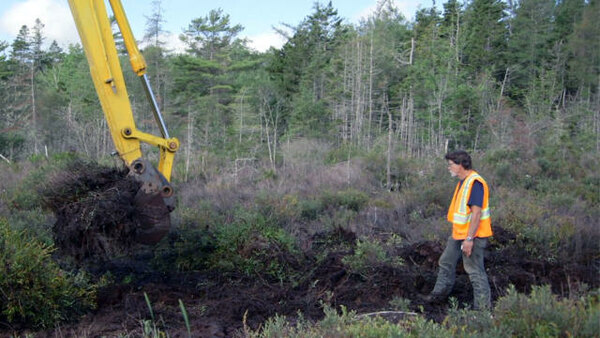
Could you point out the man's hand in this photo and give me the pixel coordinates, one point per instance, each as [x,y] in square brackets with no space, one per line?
[467,247]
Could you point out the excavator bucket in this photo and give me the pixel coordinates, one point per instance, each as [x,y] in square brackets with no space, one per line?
[153,202]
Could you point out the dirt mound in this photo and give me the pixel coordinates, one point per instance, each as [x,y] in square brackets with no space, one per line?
[94,210]
[219,305]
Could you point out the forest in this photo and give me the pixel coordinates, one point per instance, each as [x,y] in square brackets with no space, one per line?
[311,179]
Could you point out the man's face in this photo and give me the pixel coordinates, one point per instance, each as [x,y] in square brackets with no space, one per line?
[453,168]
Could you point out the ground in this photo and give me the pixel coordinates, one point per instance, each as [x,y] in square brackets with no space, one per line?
[221,305]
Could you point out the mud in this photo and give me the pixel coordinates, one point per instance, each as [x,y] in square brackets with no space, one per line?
[94,209]
[224,306]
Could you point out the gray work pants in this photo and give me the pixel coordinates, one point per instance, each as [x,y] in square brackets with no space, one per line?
[473,266]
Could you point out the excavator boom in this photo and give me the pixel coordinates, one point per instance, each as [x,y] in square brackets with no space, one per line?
[155,197]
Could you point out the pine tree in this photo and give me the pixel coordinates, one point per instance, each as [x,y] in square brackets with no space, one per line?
[584,48]
[212,42]
[531,45]
[486,34]
[155,52]
[211,36]
[304,69]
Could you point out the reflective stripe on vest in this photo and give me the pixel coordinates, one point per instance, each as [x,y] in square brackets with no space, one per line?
[464,219]
[461,217]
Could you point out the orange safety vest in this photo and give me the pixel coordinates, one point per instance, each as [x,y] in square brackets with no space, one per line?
[459,213]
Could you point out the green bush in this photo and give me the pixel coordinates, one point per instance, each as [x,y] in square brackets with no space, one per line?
[341,154]
[25,195]
[588,189]
[310,208]
[542,314]
[253,244]
[400,304]
[12,142]
[350,199]
[369,254]
[189,250]
[34,222]
[36,293]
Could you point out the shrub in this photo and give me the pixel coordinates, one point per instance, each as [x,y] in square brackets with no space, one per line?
[369,254]
[543,314]
[400,304]
[280,209]
[34,222]
[253,244]
[310,208]
[350,199]
[24,195]
[36,293]
[540,314]
[341,154]
[188,250]
[349,324]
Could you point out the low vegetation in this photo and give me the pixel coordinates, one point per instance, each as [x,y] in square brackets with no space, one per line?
[325,246]
[539,314]
[34,291]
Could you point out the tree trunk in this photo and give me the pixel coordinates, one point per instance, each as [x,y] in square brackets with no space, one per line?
[190,140]
[34,128]
[388,167]
[370,93]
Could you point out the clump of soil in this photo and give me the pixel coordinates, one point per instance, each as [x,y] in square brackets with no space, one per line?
[94,210]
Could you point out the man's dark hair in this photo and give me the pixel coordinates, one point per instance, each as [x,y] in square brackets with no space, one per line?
[460,157]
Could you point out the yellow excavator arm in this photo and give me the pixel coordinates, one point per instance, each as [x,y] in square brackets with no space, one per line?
[93,24]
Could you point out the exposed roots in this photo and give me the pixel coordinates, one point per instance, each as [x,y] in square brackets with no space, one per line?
[94,209]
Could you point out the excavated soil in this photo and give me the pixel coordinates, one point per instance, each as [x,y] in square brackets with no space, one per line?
[95,218]
[222,306]
[94,208]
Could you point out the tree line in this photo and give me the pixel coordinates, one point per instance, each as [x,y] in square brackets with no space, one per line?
[477,75]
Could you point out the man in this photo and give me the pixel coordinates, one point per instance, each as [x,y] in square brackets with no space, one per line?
[469,214]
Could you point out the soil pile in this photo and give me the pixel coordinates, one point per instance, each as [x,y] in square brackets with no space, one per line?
[94,210]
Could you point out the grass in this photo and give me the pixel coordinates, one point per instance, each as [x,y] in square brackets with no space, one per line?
[539,314]
[258,225]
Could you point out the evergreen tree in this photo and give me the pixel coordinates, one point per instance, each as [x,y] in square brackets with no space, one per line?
[37,40]
[154,25]
[304,69]
[584,47]
[155,52]
[213,45]
[531,45]
[486,35]
[4,63]
[211,36]
[21,47]
[568,14]
[55,54]
[19,104]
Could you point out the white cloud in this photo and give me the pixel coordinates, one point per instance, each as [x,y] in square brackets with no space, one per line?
[264,41]
[54,14]
[171,42]
[175,44]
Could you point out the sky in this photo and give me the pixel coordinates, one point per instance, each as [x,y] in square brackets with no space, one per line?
[258,17]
